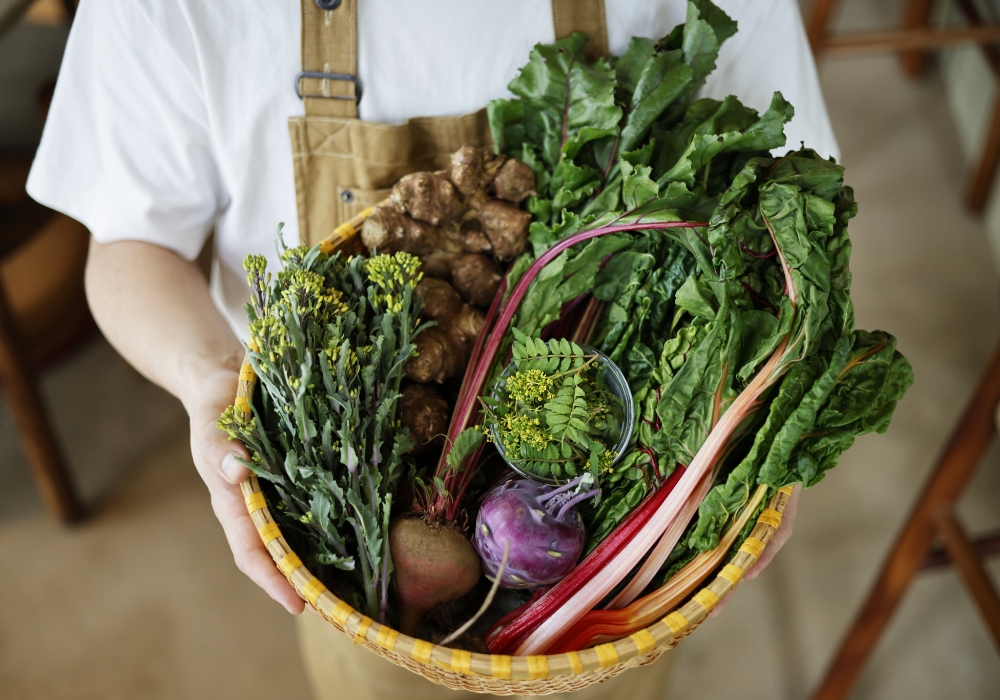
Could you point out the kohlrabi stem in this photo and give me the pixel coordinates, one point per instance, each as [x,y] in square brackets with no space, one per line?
[562,489]
[579,498]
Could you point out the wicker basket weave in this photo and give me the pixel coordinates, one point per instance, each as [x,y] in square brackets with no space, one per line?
[501,674]
[495,673]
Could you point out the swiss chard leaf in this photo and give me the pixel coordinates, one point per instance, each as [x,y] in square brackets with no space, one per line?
[561,94]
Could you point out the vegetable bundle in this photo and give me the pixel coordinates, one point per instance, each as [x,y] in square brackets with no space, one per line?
[555,414]
[664,233]
[329,339]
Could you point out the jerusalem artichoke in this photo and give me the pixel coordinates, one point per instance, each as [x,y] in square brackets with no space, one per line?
[448,218]
[443,350]
[427,197]
[476,278]
[506,226]
[515,181]
[425,413]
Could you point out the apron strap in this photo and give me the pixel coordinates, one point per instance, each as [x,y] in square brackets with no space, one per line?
[585,16]
[328,82]
[329,48]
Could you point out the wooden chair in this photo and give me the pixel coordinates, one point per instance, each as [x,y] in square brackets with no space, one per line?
[912,42]
[40,327]
[20,223]
[932,515]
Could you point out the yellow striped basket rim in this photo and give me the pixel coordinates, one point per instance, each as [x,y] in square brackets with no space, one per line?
[523,674]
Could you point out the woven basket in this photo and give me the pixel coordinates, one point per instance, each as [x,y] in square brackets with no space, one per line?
[511,675]
[495,673]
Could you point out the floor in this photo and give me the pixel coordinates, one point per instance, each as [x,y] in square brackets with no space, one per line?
[143,601]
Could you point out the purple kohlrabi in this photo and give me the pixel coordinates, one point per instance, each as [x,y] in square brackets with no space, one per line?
[543,528]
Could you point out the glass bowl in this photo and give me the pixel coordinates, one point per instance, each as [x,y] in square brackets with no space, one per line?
[616,383]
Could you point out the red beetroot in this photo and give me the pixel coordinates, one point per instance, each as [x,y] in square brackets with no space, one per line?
[434,564]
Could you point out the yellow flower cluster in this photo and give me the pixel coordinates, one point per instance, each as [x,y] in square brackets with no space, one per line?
[605,461]
[531,386]
[290,255]
[522,429]
[229,419]
[271,335]
[333,357]
[256,266]
[310,295]
[393,274]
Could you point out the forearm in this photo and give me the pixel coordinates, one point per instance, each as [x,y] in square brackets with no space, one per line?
[155,309]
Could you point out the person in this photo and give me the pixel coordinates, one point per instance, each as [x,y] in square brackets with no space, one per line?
[168,122]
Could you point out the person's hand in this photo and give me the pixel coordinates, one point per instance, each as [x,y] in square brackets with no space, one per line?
[781,535]
[155,308]
[215,457]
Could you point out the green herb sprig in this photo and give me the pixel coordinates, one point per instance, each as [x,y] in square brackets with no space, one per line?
[554,415]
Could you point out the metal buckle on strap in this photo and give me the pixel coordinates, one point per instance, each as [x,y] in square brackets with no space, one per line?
[329,76]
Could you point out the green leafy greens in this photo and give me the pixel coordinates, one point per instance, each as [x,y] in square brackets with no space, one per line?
[693,316]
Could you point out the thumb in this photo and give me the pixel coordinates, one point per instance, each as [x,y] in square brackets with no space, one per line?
[221,454]
[232,470]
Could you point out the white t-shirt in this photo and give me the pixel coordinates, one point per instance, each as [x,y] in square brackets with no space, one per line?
[170,116]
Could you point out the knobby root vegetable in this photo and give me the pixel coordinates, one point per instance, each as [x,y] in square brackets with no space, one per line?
[515,181]
[476,278]
[425,413]
[433,564]
[473,238]
[438,358]
[461,322]
[444,217]
[506,226]
[443,350]
[427,197]
[473,168]
[445,251]
[439,300]
[389,230]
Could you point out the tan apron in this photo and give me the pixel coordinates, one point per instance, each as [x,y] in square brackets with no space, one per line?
[344,165]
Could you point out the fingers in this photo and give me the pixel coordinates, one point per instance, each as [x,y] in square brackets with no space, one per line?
[781,535]
[249,553]
[722,603]
[214,451]
[232,469]
[216,458]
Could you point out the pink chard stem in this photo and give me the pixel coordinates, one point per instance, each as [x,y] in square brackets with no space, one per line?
[491,337]
[674,509]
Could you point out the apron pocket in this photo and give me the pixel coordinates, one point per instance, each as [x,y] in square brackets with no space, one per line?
[351,201]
